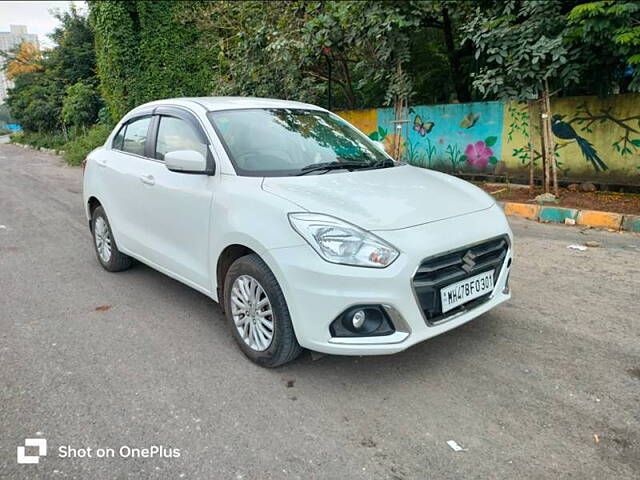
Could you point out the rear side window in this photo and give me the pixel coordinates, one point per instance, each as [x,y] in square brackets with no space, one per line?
[119,138]
[135,136]
[176,134]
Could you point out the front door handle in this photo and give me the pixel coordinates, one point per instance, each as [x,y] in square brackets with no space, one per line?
[148,179]
[101,163]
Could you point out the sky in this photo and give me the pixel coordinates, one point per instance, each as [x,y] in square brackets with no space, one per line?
[35,15]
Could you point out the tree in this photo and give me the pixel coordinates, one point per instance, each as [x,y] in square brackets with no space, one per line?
[519,45]
[81,105]
[25,59]
[36,100]
[612,29]
[521,49]
[73,57]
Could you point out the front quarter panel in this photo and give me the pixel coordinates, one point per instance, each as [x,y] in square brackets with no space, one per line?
[92,181]
[244,214]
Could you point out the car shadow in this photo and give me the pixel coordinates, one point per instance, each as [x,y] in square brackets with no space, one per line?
[461,344]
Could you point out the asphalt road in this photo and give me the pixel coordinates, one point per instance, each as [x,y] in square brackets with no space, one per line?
[546,386]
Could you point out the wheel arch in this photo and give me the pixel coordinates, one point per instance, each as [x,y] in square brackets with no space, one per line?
[92,204]
[226,258]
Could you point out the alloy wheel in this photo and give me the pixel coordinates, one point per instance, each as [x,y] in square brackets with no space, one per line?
[103,239]
[251,312]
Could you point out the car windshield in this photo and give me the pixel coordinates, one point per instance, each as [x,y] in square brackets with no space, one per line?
[284,142]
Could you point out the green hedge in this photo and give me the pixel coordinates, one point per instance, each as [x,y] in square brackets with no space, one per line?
[146,51]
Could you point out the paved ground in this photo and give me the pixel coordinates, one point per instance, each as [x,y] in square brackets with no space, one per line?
[525,388]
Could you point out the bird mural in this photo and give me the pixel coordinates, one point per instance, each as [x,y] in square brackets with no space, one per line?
[565,131]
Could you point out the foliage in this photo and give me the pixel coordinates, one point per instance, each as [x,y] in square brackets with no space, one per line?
[25,59]
[39,139]
[376,50]
[81,105]
[285,49]
[36,100]
[73,57]
[146,51]
[613,27]
[80,146]
[520,45]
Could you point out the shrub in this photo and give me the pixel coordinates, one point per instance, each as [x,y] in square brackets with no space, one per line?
[76,150]
[39,139]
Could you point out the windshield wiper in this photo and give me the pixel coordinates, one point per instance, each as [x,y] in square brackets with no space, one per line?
[314,167]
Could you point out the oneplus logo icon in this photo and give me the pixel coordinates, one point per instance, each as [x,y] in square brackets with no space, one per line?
[41,443]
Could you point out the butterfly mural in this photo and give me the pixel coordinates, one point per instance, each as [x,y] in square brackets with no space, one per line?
[422,127]
[469,120]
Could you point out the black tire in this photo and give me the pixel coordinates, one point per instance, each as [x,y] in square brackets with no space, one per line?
[284,346]
[117,261]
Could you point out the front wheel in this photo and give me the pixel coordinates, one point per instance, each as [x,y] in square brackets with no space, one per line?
[257,313]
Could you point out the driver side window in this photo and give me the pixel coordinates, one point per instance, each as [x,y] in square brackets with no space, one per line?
[176,134]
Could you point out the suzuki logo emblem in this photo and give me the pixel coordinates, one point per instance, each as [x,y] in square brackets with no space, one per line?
[468,261]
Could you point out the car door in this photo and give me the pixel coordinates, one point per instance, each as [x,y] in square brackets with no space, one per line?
[122,182]
[176,206]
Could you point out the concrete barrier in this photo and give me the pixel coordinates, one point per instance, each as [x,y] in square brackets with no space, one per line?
[590,218]
[524,210]
[594,218]
[557,214]
[631,223]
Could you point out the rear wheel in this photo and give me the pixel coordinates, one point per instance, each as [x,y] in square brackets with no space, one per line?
[257,313]
[107,251]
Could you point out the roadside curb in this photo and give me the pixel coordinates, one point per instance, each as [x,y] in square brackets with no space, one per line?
[40,149]
[573,216]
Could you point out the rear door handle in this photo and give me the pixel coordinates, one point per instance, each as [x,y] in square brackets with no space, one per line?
[148,179]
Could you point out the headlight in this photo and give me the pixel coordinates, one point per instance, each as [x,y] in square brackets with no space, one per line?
[337,241]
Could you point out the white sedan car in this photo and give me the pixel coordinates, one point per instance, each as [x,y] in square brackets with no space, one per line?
[302,228]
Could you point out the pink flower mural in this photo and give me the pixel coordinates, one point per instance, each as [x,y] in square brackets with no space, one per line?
[480,154]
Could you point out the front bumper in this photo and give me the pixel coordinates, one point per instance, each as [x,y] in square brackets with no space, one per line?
[318,291]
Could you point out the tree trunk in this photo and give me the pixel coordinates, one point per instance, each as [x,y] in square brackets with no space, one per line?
[398,121]
[348,84]
[532,150]
[462,91]
[551,142]
[543,144]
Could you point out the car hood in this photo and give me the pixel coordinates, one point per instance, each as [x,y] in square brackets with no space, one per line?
[382,199]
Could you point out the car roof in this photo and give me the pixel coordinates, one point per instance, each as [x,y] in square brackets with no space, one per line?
[232,103]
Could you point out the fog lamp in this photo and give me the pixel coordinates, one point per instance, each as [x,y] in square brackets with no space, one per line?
[362,321]
[358,319]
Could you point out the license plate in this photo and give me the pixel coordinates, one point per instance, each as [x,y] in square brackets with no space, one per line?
[466,290]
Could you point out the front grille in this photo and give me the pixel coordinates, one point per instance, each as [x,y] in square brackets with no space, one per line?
[442,270]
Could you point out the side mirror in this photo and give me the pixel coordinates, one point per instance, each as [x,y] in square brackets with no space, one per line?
[185,161]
